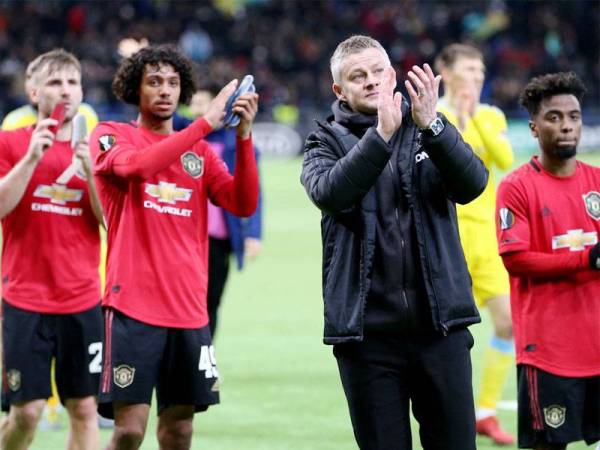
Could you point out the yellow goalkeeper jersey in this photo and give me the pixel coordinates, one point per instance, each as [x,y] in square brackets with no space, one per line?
[485,132]
[27,115]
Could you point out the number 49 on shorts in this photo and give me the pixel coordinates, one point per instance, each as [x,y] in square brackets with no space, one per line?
[208,362]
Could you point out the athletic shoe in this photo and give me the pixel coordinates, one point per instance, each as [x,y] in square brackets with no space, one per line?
[490,427]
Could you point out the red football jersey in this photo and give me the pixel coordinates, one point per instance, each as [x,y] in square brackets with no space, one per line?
[157,224]
[51,242]
[555,318]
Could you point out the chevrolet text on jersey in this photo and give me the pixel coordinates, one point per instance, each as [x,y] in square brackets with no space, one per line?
[169,193]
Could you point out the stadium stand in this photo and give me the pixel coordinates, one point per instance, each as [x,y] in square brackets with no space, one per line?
[519,39]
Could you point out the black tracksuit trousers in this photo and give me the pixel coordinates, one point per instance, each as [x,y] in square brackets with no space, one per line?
[383,375]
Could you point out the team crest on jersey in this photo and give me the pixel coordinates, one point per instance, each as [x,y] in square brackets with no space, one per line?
[13,379]
[592,204]
[574,240]
[193,164]
[58,193]
[123,375]
[554,415]
[106,141]
[507,218]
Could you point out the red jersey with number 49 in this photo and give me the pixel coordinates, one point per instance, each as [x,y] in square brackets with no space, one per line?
[51,242]
[157,227]
[556,319]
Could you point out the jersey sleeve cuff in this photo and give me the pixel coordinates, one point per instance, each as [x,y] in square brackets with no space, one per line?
[244,143]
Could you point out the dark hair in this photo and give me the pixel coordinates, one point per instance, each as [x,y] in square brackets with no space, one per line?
[128,79]
[452,52]
[549,85]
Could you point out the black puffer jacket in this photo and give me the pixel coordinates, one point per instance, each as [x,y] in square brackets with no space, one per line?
[339,172]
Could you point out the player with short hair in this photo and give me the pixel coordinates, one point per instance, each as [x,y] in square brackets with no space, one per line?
[155,184]
[396,288]
[51,290]
[28,115]
[484,128]
[25,116]
[548,220]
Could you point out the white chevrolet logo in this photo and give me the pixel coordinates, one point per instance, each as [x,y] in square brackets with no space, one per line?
[168,192]
[574,240]
[58,193]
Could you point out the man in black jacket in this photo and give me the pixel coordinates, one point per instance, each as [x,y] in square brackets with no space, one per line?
[397,292]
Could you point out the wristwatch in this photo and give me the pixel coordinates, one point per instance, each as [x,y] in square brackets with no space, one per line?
[435,127]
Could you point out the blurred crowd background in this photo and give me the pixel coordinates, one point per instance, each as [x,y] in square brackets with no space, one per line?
[286,44]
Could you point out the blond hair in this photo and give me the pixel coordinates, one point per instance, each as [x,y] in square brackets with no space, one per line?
[51,61]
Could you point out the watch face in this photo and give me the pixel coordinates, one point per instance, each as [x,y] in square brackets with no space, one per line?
[436,126]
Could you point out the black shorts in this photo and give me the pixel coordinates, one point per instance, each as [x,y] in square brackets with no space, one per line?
[138,357]
[556,409]
[29,342]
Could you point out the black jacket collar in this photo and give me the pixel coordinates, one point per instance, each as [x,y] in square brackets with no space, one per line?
[357,121]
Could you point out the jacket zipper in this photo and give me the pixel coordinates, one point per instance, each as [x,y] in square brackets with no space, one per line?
[444,327]
[403,245]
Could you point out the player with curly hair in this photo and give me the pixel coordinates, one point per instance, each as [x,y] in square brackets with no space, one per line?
[154,184]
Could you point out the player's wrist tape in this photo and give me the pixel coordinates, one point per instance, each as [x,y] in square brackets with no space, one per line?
[595,257]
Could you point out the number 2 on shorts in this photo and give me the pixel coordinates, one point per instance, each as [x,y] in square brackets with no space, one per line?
[95,350]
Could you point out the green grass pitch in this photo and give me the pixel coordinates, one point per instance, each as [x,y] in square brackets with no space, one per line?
[280,385]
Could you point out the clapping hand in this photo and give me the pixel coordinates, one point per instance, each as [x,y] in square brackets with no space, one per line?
[389,113]
[423,89]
